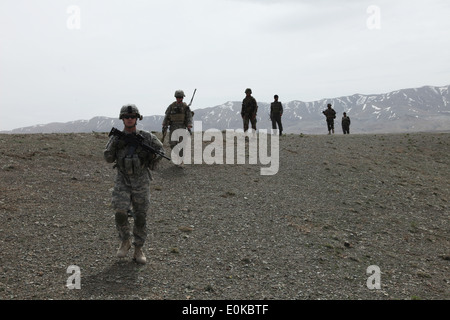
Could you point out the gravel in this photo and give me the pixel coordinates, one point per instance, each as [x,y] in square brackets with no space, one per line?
[338,205]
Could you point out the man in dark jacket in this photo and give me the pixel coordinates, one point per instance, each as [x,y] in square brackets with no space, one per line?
[346,124]
[276,111]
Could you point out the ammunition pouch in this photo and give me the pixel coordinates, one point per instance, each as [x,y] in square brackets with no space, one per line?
[131,164]
[178,118]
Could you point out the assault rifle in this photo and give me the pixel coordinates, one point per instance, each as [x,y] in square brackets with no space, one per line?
[137,140]
[189,129]
[164,132]
[192,97]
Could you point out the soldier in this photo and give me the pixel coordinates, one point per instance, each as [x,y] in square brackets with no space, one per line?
[249,110]
[331,115]
[178,115]
[276,111]
[346,124]
[132,183]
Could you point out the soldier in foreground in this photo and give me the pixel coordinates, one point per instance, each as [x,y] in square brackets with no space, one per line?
[345,124]
[178,116]
[132,183]
[249,110]
[276,111]
[330,114]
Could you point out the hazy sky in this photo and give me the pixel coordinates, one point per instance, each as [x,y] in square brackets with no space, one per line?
[70,60]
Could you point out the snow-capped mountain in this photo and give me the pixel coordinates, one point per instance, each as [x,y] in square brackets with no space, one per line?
[408,110]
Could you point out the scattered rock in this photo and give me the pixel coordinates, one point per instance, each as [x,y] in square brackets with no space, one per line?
[337,205]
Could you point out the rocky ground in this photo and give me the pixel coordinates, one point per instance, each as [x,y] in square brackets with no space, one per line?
[337,205]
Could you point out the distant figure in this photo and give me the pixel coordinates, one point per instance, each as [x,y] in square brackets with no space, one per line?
[276,111]
[249,110]
[331,115]
[346,124]
[178,116]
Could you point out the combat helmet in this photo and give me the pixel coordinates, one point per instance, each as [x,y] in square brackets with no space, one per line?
[248,90]
[130,108]
[179,94]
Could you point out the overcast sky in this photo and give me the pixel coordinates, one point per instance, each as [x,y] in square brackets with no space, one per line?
[70,60]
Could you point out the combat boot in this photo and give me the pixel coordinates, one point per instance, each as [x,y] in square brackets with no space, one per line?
[124,247]
[139,255]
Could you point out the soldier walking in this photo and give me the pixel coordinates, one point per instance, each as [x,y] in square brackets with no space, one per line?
[276,111]
[330,114]
[178,116]
[249,110]
[132,183]
[345,123]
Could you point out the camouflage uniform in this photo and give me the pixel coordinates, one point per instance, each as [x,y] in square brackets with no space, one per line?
[330,114]
[249,110]
[178,116]
[132,183]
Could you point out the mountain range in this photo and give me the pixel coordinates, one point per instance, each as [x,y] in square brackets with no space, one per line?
[407,110]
